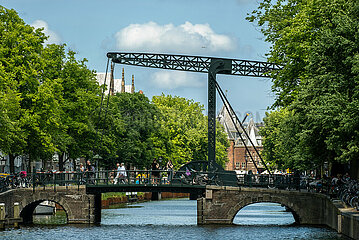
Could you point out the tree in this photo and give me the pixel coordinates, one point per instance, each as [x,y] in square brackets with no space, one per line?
[79,102]
[317,43]
[183,132]
[20,66]
[126,130]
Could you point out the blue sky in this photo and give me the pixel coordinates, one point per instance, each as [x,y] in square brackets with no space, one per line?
[192,27]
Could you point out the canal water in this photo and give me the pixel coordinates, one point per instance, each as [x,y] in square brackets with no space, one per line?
[176,219]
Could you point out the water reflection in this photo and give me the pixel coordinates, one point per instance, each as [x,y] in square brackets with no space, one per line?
[264,214]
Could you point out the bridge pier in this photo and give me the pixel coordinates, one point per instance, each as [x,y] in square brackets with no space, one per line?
[155,196]
[97,208]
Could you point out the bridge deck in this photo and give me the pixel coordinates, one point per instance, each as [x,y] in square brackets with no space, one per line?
[178,188]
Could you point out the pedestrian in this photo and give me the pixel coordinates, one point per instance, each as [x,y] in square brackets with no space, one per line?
[155,171]
[123,173]
[88,166]
[117,178]
[112,176]
[82,168]
[90,171]
[169,167]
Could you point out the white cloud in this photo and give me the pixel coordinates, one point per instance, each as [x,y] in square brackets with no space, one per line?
[53,37]
[185,38]
[174,79]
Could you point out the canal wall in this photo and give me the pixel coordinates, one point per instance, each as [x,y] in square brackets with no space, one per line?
[343,219]
[112,201]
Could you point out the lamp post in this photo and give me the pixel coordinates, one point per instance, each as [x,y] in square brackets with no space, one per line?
[246,159]
[96,158]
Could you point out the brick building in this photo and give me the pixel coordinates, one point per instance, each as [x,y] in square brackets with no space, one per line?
[239,157]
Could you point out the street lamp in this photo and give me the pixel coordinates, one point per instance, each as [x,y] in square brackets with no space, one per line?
[96,158]
[246,159]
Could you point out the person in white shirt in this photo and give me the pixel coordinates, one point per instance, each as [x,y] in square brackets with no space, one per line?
[123,173]
[117,178]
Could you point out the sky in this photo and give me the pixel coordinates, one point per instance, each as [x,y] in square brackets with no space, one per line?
[208,28]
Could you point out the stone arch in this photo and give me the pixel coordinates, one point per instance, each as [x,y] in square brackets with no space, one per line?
[28,208]
[248,201]
[79,206]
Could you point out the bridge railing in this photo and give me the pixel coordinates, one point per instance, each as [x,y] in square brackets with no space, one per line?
[154,177]
[132,177]
[148,177]
[269,181]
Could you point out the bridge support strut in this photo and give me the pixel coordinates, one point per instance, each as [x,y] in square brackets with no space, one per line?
[223,66]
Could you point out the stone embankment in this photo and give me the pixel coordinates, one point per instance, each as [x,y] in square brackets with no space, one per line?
[112,201]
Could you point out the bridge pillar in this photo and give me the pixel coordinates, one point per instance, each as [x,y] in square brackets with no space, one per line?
[155,196]
[97,208]
[215,207]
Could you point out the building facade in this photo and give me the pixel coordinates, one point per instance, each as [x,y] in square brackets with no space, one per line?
[242,155]
[115,85]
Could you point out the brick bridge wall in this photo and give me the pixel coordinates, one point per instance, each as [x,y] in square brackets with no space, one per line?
[79,206]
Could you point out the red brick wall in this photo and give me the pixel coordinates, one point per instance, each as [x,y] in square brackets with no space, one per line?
[236,154]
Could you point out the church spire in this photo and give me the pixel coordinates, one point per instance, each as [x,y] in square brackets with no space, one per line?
[133,84]
[112,81]
[123,81]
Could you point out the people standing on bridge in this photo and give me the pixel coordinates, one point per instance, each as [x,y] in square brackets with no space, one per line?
[82,172]
[90,171]
[82,168]
[155,171]
[169,167]
[117,178]
[123,173]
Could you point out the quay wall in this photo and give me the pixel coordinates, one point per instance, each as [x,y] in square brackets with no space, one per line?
[147,196]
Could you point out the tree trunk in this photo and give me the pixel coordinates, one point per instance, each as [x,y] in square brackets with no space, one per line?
[354,169]
[12,163]
[74,164]
[61,161]
[29,170]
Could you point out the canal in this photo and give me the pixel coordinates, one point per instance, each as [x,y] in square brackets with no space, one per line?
[176,219]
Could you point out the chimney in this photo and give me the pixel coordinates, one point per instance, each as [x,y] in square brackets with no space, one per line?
[133,84]
[123,81]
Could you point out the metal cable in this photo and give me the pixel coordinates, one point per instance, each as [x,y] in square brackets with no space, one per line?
[241,125]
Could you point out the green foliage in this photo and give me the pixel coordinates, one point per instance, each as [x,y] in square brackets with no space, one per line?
[20,73]
[317,42]
[47,97]
[81,101]
[126,130]
[183,132]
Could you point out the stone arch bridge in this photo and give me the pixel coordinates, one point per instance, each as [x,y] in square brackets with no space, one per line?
[221,204]
[79,206]
[215,205]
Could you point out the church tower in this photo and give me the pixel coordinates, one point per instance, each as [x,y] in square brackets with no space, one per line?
[123,81]
[133,84]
